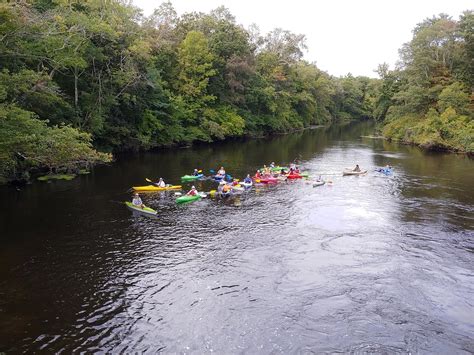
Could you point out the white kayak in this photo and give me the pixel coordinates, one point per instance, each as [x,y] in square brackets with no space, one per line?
[318,183]
[352,172]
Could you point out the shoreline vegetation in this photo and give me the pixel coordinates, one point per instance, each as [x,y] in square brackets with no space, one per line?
[80,81]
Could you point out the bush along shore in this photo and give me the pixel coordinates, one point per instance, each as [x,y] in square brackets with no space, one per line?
[82,80]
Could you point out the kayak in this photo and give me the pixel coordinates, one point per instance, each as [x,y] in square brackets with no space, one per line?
[218,177]
[266,180]
[191,177]
[225,194]
[318,183]
[146,210]
[188,198]
[351,172]
[246,184]
[386,171]
[238,189]
[156,188]
[294,176]
[275,168]
[305,174]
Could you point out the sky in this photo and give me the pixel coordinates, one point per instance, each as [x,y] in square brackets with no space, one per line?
[343,36]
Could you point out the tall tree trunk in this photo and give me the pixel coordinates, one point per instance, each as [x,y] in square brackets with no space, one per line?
[76,94]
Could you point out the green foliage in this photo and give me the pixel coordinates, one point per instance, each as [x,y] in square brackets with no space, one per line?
[448,131]
[427,101]
[29,143]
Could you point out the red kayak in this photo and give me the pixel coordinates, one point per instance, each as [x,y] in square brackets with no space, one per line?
[294,176]
[266,180]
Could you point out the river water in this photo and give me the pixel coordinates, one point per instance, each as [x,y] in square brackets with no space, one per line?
[367,264]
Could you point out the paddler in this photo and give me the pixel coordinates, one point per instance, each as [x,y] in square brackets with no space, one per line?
[226,189]
[357,168]
[272,164]
[192,192]
[248,179]
[266,170]
[160,183]
[221,171]
[221,185]
[137,201]
[195,172]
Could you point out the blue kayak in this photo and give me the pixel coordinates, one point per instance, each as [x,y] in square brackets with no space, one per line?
[386,171]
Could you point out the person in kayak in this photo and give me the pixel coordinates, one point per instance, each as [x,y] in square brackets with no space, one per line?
[226,189]
[192,192]
[221,171]
[258,175]
[272,165]
[137,201]
[357,168]
[160,183]
[221,186]
[266,170]
[195,172]
[248,179]
[235,182]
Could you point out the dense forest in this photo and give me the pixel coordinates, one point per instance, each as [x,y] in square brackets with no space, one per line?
[82,79]
[428,100]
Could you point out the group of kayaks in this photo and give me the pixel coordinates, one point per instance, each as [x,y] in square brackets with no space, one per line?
[229,186]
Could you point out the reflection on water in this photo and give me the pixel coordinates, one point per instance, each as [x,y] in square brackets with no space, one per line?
[365,264]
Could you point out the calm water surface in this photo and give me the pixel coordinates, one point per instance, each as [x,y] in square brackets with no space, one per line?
[370,264]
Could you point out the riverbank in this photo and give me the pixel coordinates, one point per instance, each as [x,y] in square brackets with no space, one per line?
[448,132]
[27,173]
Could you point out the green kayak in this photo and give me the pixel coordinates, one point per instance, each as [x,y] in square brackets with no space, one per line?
[187,198]
[191,177]
[276,168]
[146,210]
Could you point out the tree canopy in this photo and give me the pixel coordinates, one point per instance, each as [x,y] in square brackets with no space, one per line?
[428,100]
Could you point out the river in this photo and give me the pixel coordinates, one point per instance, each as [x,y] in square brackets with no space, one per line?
[368,264]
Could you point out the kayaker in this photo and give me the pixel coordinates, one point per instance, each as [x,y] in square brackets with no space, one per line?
[356,168]
[258,175]
[221,171]
[272,165]
[192,192]
[137,201]
[195,172]
[248,179]
[160,183]
[266,170]
[226,189]
[221,185]
[235,182]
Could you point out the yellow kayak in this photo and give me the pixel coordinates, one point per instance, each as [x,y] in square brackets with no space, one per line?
[156,188]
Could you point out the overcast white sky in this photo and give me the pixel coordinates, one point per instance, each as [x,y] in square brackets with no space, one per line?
[342,35]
